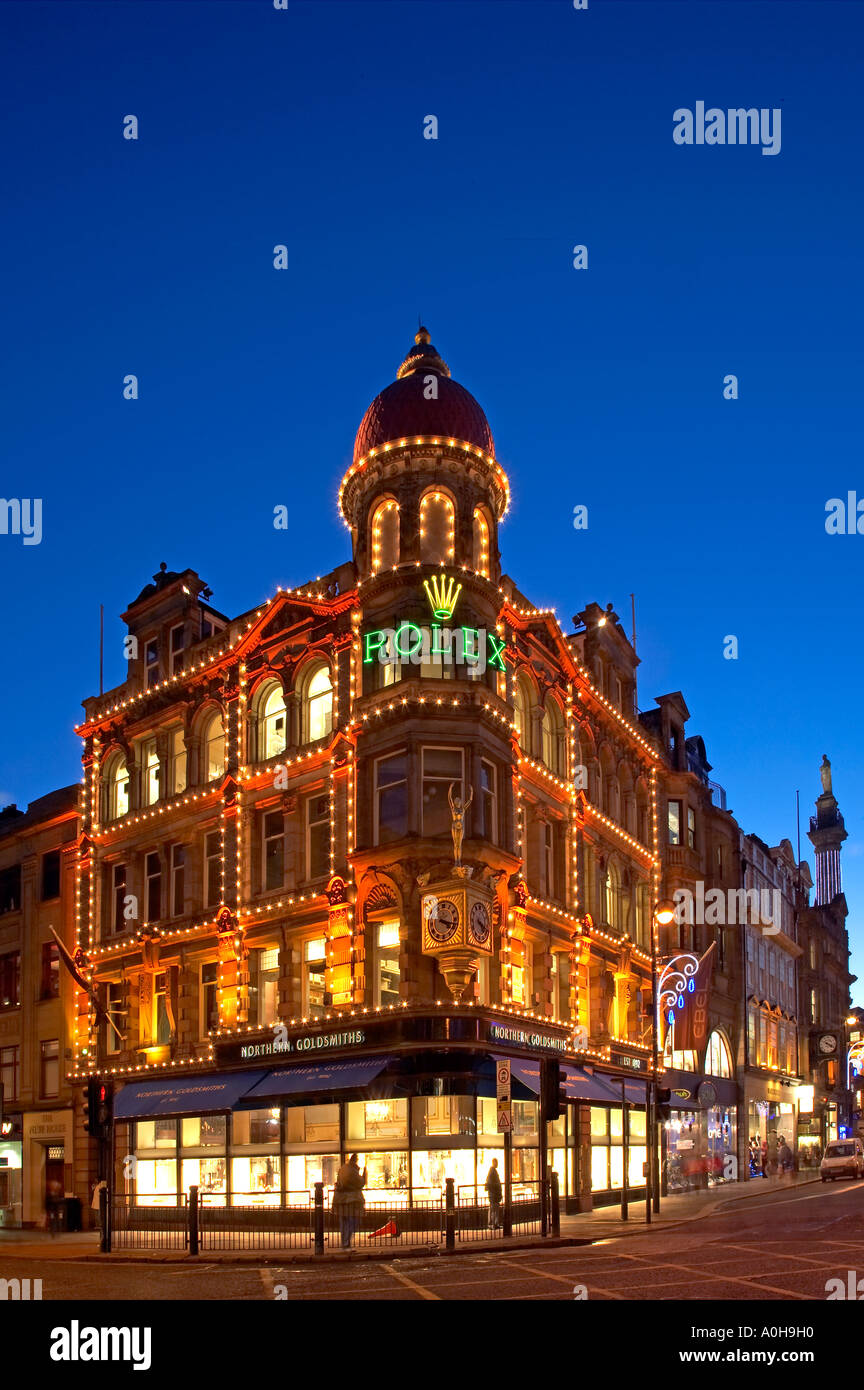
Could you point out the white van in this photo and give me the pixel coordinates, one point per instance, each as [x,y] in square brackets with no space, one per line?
[844,1158]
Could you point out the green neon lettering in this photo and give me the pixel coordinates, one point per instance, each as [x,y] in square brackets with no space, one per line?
[436,649]
[496,652]
[373,641]
[408,627]
[470,645]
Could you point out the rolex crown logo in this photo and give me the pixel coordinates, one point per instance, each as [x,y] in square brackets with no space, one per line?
[442,594]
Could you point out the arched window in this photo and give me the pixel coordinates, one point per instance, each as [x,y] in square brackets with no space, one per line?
[118,788]
[613,895]
[437,528]
[385,535]
[481,543]
[674,1057]
[553,738]
[213,747]
[718,1059]
[273,723]
[523,703]
[317,704]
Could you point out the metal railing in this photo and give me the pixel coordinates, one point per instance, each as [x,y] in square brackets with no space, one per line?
[204,1222]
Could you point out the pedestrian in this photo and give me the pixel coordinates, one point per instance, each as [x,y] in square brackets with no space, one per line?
[785,1159]
[348,1200]
[763,1157]
[53,1206]
[96,1206]
[771,1154]
[493,1189]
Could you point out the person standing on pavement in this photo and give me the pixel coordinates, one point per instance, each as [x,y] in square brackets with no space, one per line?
[53,1206]
[771,1154]
[493,1189]
[348,1200]
[785,1159]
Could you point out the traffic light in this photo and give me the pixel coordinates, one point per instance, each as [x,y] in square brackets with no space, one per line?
[664,1095]
[99,1108]
[553,1093]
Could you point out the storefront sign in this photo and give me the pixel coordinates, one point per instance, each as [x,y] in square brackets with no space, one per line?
[503,1033]
[309,1042]
[625,1059]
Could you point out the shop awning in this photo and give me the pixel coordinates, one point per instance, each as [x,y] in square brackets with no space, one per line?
[184,1095]
[580,1084]
[326,1076]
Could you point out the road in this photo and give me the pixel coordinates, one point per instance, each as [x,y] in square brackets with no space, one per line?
[781,1246]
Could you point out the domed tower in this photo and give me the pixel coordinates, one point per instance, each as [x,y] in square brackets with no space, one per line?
[423,498]
[424,487]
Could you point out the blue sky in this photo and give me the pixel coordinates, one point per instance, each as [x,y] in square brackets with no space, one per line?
[603,387]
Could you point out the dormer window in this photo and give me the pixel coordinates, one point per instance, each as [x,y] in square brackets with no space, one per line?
[151,661]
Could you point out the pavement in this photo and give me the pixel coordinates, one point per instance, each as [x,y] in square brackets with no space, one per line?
[585,1228]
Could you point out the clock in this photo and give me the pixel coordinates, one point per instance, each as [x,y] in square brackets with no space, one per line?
[480,923]
[828,1044]
[444,925]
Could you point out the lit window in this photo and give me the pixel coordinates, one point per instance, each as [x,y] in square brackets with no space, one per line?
[385,536]
[314,976]
[264,987]
[318,706]
[387,973]
[151,773]
[114,1010]
[273,723]
[437,528]
[214,749]
[481,543]
[118,889]
[161,1015]
[119,791]
[274,850]
[674,822]
[177,771]
[691,827]
[209,998]
[442,767]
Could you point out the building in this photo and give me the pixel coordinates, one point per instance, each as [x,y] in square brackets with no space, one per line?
[825,980]
[42,1139]
[343,852]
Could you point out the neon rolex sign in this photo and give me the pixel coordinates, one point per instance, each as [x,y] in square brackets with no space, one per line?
[411,644]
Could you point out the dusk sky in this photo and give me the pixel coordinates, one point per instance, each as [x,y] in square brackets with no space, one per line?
[603,386]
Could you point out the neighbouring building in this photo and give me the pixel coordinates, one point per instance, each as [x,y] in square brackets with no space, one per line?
[42,1140]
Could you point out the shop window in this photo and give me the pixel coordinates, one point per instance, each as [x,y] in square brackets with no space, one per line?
[212,868]
[256,1181]
[524,1120]
[153,878]
[313,1124]
[203,1132]
[274,850]
[673,821]
[50,875]
[377,1119]
[314,977]
[718,1060]
[156,1182]
[302,1171]
[50,986]
[318,837]
[209,1008]
[391,798]
[178,880]
[150,765]
[487,1119]
[49,1073]
[263,986]
[254,1127]
[210,1176]
[442,1115]
[214,748]
[387,963]
[442,767]
[177,763]
[10,980]
[151,1135]
[431,1168]
[387,1171]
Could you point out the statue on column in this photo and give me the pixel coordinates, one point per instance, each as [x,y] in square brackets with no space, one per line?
[825,774]
[458,807]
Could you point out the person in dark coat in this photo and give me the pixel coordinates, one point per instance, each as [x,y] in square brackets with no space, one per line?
[493,1189]
[348,1200]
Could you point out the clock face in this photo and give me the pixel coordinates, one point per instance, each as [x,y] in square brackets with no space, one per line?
[445,922]
[480,922]
[827,1043]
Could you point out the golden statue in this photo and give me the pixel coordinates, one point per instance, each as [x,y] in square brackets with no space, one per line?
[458,807]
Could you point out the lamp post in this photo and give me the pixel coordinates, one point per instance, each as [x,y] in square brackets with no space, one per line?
[663,915]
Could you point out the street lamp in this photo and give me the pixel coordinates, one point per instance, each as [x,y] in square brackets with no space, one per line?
[663,916]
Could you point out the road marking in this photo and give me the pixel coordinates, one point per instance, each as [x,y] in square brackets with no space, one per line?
[562,1279]
[418,1288]
[267,1281]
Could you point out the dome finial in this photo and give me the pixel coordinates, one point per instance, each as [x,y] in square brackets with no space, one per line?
[422,335]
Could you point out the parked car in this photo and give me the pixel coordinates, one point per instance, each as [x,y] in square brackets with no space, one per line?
[844,1158]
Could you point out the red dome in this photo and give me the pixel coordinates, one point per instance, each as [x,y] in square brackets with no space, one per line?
[402,409]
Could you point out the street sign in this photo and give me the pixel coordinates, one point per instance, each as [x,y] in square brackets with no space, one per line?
[502,1081]
[505,1123]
